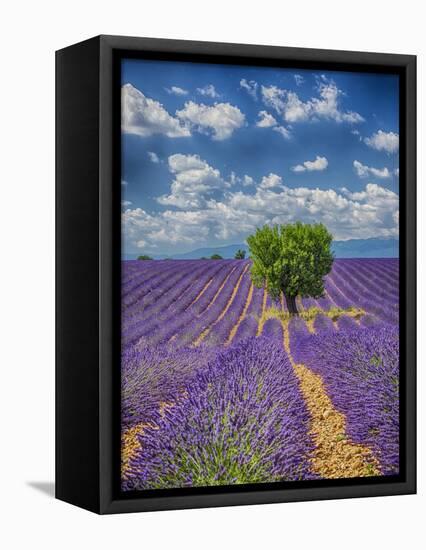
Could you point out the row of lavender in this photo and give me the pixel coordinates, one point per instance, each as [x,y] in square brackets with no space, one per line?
[176,299]
[163,303]
[240,419]
[360,371]
[360,368]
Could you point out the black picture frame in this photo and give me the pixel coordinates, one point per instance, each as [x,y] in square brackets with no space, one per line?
[88,269]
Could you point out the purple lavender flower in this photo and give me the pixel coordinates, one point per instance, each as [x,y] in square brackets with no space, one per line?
[360,371]
[243,420]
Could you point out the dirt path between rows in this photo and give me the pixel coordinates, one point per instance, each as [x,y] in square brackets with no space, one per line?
[241,317]
[205,332]
[335,456]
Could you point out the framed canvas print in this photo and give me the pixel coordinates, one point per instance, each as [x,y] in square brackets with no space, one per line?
[235,274]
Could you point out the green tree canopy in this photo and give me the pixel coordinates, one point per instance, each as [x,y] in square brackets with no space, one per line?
[216,257]
[240,254]
[144,257]
[292,259]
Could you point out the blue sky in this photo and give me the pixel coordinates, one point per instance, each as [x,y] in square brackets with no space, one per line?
[210,152]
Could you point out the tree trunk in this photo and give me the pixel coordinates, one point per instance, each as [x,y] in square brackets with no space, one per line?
[291,304]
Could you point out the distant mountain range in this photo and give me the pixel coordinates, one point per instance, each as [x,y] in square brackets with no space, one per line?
[354,248]
[366,248]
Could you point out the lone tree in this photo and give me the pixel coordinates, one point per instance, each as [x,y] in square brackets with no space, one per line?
[292,259]
[240,254]
[216,257]
[144,257]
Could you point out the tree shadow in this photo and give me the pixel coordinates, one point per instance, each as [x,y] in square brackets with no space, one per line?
[46,487]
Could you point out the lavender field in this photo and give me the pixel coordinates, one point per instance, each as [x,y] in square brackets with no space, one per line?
[220,385]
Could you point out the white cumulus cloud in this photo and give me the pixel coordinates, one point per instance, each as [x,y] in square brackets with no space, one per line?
[274,97]
[320,163]
[273,181]
[245,181]
[299,79]
[326,106]
[208,91]
[176,90]
[194,180]
[285,132]
[266,120]
[250,86]
[384,141]
[153,157]
[206,209]
[170,228]
[145,117]
[295,110]
[372,212]
[219,120]
[364,171]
